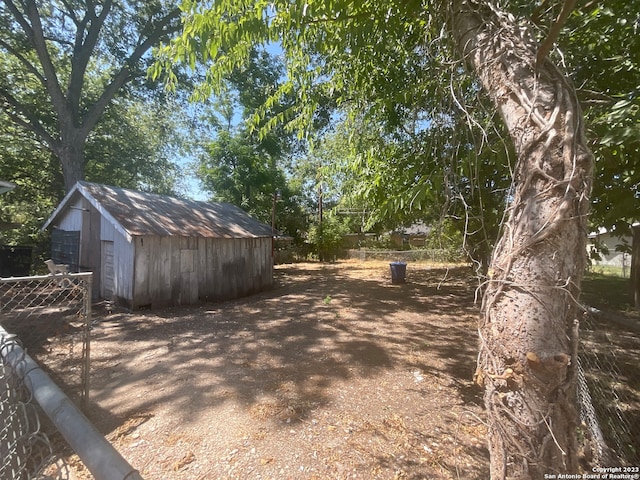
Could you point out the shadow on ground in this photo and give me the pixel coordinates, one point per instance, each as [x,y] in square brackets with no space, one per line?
[284,354]
[327,326]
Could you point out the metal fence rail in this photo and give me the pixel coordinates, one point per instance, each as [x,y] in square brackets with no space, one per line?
[25,449]
[52,313]
[23,460]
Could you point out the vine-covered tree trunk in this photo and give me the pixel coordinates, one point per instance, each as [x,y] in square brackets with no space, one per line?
[529,325]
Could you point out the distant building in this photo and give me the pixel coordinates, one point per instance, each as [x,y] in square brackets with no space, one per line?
[414,235]
[606,248]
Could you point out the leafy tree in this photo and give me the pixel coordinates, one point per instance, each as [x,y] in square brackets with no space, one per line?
[235,169]
[134,146]
[242,167]
[51,48]
[322,185]
[131,147]
[431,173]
[328,235]
[371,54]
[602,44]
[236,172]
[39,186]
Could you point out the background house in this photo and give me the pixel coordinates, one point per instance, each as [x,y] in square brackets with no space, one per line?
[608,249]
[414,235]
[150,250]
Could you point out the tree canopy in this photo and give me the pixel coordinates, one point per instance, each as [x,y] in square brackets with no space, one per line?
[374,61]
[239,166]
[49,49]
[396,61]
[602,45]
[379,58]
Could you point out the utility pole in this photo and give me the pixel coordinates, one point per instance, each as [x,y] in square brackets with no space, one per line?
[321,235]
[276,197]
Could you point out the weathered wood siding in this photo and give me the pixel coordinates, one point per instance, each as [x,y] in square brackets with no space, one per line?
[90,258]
[182,270]
[82,217]
[123,264]
[71,219]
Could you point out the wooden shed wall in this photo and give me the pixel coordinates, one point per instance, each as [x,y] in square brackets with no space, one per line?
[123,262]
[71,218]
[82,217]
[183,270]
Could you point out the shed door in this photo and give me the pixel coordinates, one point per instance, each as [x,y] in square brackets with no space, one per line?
[107,280]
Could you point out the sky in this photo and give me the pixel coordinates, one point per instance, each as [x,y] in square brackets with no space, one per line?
[192,187]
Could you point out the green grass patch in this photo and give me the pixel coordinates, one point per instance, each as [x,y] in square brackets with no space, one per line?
[606,292]
[611,270]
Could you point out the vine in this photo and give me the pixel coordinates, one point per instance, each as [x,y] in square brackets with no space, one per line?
[528,333]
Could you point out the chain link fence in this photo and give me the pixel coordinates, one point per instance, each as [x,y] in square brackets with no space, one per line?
[25,448]
[51,315]
[435,255]
[609,388]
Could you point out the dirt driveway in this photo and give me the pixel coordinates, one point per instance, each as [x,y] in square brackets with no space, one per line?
[335,373]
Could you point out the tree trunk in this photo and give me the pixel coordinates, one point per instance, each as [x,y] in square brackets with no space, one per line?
[71,155]
[529,325]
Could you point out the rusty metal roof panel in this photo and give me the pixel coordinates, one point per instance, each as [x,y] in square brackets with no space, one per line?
[142,213]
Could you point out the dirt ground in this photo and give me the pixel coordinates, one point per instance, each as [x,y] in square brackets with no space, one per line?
[335,373]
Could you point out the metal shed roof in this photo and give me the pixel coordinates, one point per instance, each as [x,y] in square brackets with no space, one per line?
[139,214]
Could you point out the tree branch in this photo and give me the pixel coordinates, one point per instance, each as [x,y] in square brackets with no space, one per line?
[538,11]
[17,15]
[36,36]
[554,31]
[71,13]
[22,59]
[339,18]
[59,41]
[164,27]
[83,50]
[591,98]
[24,118]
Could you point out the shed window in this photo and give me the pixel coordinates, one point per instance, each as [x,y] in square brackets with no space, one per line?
[65,248]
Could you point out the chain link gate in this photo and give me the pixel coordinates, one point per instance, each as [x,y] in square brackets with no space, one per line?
[52,313]
[47,313]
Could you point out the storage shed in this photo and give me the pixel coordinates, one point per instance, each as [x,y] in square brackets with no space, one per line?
[149,250]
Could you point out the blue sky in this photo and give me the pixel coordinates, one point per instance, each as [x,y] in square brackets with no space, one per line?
[192,187]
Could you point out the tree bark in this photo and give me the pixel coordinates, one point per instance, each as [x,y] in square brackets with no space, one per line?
[70,152]
[529,324]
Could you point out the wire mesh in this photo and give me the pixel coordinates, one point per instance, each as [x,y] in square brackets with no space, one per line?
[51,315]
[417,255]
[25,449]
[609,389]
